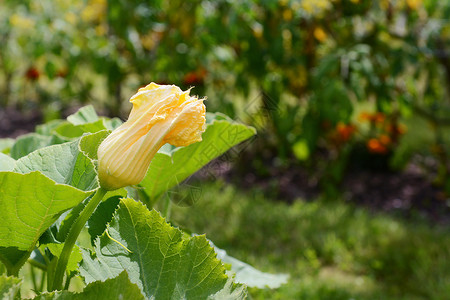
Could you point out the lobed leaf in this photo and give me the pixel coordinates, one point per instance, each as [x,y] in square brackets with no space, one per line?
[102,215]
[89,143]
[69,131]
[63,163]
[157,258]
[84,115]
[169,168]
[29,204]
[28,143]
[119,287]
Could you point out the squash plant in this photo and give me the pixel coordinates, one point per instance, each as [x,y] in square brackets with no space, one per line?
[50,192]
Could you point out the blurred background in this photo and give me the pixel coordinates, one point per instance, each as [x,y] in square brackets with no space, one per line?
[347,184]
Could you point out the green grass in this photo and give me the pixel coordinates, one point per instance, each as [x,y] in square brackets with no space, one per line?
[332,250]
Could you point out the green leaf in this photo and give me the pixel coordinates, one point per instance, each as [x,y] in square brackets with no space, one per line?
[28,143]
[155,255]
[119,287]
[75,255]
[29,204]
[168,169]
[230,291]
[63,163]
[84,115]
[248,275]
[112,124]
[47,128]
[6,144]
[69,218]
[9,286]
[66,220]
[85,120]
[102,215]
[69,131]
[6,163]
[89,143]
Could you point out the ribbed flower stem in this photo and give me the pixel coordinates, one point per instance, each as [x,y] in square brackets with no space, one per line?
[73,236]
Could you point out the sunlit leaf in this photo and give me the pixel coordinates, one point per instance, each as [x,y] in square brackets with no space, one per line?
[6,162]
[89,143]
[63,163]
[69,131]
[6,144]
[169,168]
[29,204]
[74,259]
[84,115]
[157,258]
[27,143]
[119,287]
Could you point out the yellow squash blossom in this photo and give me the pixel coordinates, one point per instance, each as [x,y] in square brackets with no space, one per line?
[160,114]
[320,34]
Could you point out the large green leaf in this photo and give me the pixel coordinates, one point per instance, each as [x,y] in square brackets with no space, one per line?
[156,256]
[84,115]
[89,143]
[29,204]
[230,291]
[27,143]
[47,128]
[102,215]
[169,168]
[69,131]
[248,275]
[119,287]
[64,163]
[6,162]
[85,120]
[9,286]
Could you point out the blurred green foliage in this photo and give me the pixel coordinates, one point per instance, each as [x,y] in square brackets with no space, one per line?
[298,70]
[332,250]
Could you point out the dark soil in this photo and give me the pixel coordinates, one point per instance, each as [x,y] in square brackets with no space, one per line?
[410,193]
[14,123]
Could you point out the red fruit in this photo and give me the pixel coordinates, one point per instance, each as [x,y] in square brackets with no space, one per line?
[195,77]
[375,146]
[345,131]
[32,74]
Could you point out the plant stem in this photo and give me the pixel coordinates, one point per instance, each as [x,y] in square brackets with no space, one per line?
[37,265]
[73,236]
[33,278]
[41,287]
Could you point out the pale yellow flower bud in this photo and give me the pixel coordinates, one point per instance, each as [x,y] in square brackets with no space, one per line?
[160,114]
